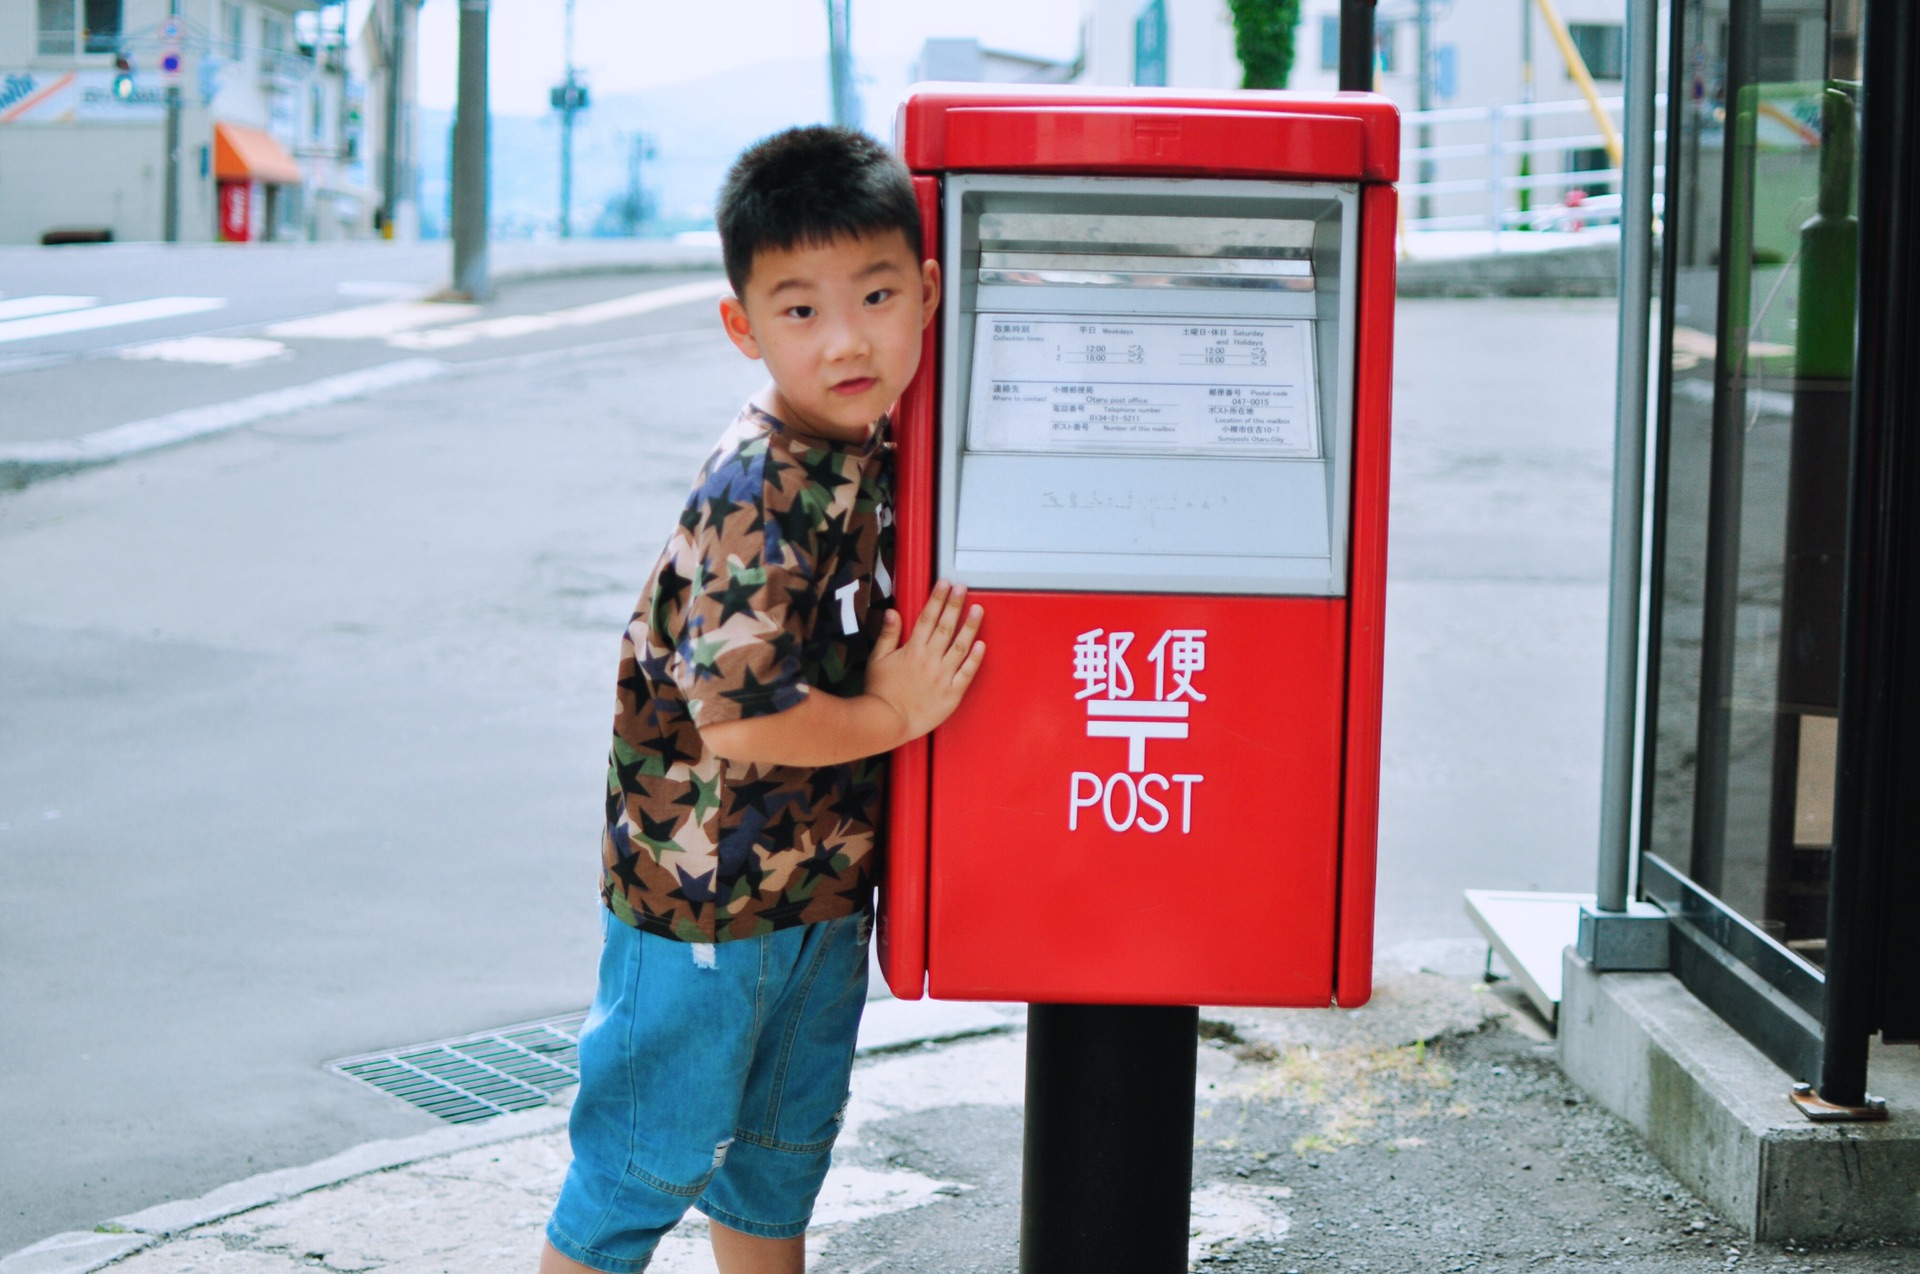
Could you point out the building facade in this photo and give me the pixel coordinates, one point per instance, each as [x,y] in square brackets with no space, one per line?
[278,119]
[1508,104]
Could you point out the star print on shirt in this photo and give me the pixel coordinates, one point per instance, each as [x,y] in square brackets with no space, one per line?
[746,615]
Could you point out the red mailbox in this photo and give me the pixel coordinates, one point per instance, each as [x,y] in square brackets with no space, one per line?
[1150,433]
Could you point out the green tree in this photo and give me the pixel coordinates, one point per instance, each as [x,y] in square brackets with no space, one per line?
[1263,37]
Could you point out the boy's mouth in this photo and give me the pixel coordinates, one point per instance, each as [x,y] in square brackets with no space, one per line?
[858,385]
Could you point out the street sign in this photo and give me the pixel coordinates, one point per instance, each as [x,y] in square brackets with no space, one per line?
[171,31]
[171,63]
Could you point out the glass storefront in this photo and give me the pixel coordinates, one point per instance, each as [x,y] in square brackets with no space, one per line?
[1750,502]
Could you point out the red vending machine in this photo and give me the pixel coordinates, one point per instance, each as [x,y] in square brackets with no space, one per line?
[1151,436]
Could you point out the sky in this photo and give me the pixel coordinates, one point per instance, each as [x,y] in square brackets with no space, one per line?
[624,45]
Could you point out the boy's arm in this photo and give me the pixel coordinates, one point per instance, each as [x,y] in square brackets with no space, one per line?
[912,686]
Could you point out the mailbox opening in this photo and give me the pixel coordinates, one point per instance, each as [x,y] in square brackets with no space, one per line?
[1188,343]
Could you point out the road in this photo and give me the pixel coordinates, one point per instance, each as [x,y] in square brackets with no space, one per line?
[304,725]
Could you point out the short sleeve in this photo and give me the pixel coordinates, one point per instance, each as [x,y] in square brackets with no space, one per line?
[749,609]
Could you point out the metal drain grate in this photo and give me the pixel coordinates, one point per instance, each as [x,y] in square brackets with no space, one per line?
[467,1080]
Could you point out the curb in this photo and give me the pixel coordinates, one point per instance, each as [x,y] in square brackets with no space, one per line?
[22,463]
[82,1251]
[686,261]
[1583,270]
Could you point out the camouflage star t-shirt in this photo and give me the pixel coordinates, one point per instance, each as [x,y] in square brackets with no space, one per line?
[773,587]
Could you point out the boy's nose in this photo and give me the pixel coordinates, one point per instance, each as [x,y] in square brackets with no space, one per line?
[847,340]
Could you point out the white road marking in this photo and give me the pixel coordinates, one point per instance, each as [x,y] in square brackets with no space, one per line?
[140,436]
[26,329]
[27,306]
[217,351]
[510,325]
[371,322]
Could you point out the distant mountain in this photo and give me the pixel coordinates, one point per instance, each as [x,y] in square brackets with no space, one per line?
[696,127]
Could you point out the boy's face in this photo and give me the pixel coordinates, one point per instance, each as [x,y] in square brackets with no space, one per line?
[838,326]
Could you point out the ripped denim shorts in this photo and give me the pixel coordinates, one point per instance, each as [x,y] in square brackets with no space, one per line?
[712,1077]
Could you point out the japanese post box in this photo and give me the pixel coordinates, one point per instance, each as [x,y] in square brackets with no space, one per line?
[1150,435]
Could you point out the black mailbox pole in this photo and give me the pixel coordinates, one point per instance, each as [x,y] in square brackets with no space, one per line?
[1356,46]
[1107,1170]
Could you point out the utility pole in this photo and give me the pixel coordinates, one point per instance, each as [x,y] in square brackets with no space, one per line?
[1423,11]
[470,278]
[570,98]
[390,166]
[846,106]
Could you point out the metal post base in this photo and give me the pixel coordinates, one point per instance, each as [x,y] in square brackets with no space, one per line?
[1634,940]
[1109,1139]
[1810,1104]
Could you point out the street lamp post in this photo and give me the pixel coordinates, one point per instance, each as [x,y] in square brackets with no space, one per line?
[170,188]
[570,98]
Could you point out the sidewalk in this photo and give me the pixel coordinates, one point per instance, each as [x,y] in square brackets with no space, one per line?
[1430,1130]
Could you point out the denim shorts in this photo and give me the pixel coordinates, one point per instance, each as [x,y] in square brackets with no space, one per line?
[713,1077]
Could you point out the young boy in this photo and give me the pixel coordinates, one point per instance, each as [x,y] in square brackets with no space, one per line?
[762,682]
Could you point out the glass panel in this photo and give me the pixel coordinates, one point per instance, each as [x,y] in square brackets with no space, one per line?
[1753,496]
[56,19]
[103,26]
[1602,46]
[233,23]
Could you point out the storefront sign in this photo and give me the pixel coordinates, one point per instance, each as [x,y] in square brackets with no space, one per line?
[41,97]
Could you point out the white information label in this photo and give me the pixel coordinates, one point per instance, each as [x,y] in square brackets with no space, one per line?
[1208,387]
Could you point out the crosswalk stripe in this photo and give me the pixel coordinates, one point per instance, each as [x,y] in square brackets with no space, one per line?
[363,322]
[509,325]
[26,329]
[28,306]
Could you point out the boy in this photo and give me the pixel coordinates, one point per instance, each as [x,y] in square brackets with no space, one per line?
[762,682]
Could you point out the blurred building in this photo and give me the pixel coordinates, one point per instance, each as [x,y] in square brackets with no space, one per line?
[1509,104]
[280,114]
[964,59]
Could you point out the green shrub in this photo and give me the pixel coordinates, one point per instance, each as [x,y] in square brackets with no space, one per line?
[1263,38]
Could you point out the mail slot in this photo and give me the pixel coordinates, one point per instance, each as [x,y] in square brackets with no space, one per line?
[1151,436]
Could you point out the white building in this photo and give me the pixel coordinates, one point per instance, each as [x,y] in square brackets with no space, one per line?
[1477,57]
[277,138]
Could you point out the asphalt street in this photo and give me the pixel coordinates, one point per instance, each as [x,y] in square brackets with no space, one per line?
[304,725]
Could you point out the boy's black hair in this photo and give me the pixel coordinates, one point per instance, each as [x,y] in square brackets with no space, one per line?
[810,186]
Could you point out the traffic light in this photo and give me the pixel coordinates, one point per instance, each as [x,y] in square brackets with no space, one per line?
[122,77]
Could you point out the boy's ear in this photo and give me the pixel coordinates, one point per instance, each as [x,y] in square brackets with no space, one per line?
[929,290]
[733,317]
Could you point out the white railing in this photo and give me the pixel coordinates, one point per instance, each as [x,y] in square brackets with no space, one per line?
[1489,182]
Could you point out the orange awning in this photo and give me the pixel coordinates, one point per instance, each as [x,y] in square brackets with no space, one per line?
[247,154]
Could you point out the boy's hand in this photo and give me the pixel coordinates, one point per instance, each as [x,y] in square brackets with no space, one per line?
[924,678]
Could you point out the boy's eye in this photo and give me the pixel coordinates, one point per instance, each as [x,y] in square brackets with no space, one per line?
[800,311]
[878,295]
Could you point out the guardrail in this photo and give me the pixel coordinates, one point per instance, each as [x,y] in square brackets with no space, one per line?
[1497,153]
